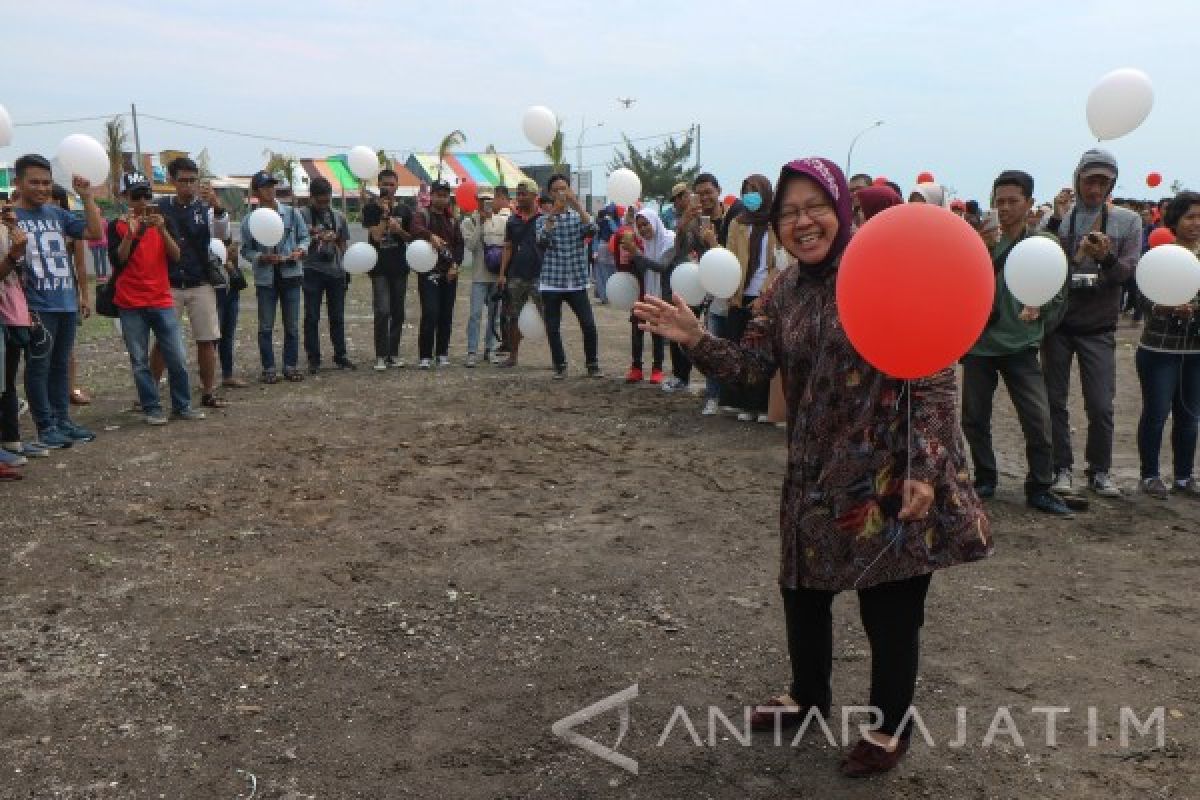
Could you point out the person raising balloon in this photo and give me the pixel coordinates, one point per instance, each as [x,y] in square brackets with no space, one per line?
[876,496]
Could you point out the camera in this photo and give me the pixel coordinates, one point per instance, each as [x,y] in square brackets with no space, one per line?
[1085,280]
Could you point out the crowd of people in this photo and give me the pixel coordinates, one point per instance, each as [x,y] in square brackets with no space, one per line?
[156,264]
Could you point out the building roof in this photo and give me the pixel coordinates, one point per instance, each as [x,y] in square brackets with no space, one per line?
[484,169]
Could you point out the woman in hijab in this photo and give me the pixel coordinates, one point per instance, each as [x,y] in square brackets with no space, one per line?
[876,496]
[931,193]
[875,199]
[754,243]
[648,256]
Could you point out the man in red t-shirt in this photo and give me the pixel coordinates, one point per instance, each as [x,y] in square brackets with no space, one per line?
[140,245]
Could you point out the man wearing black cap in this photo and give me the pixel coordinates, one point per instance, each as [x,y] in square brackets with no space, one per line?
[1103,245]
[278,278]
[324,276]
[439,286]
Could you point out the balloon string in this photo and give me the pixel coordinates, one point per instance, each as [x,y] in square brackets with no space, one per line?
[905,395]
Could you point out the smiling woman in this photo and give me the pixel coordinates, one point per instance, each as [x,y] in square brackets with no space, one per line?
[876,497]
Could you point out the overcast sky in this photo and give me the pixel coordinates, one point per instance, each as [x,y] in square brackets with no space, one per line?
[965,88]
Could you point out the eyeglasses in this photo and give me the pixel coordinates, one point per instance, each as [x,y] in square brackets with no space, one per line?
[790,215]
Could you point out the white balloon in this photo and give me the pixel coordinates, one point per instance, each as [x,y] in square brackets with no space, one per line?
[266,226]
[217,251]
[624,187]
[530,323]
[82,155]
[720,273]
[1169,275]
[623,290]
[6,128]
[1119,103]
[363,162]
[685,282]
[1036,270]
[59,174]
[360,257]
[421,256]
[540,126]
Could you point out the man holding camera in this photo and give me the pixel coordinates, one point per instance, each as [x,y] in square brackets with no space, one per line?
[324,276]
[1103,244]
[278,277]
[438,287]
[389,230]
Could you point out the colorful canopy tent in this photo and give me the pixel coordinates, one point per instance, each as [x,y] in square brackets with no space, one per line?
[335,170]
[484,169]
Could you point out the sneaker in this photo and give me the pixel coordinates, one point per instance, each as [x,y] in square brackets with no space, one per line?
[443,361]
[673,385]
[12,459]
[594,371]
[763,419]
[76,432]
[155,418]
[269,376]
[710,408]
[471,362]
[395,362]
[54,440]
[634,375]
[189,414]
[1156,487]
[1189,487]
[729,410]
[314,369]
[985,489]
[344,363]
[425,363]
[381,364]
[1064,482]
[746,416]
[27,449]
[1102,484]
[560,373]
[656,377]
[1049,503]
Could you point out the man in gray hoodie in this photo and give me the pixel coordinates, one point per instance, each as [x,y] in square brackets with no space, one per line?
[1103,243]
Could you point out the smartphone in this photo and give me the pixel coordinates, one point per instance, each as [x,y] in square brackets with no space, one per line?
[705,221]
[990,220]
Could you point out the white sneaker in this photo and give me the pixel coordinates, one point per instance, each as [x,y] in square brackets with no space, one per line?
[396,362]
[380,364]
[763,419]
[1102,484]
[443,361]
[729,410]
[747,416]
[425,363]
[672,385]
[1064,483]
[710,407]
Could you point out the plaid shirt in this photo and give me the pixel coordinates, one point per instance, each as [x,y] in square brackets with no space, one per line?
[564,252]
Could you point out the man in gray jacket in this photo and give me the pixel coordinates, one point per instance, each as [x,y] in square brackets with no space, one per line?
[1103,243]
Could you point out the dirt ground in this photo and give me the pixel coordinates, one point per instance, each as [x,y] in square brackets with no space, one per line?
[392,585]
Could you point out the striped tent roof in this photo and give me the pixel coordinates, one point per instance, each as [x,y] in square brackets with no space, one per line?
[482,168]
[335,170]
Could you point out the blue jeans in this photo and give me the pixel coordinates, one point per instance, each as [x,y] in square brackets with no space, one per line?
[289,299]
[716,326]
[333,288]
[46,384]
[602,270]
[480,295]
[136,326]
[228,305]
[1170,386]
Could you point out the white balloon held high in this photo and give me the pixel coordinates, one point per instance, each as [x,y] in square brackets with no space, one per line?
[82,155]
[624,187]
[1119,103]
[540,126]
[363,162]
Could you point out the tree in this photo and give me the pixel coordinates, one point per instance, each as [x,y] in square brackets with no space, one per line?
[116,139]
[554,152]
[659,168]
[204,164]
[1176,186]
[451,140]
[281,164]
[384,161]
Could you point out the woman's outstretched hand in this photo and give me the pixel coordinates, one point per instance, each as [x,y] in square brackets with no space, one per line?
[675,322]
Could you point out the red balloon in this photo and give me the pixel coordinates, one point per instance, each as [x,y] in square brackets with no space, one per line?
[728,200]
[880,181]
[1153,179]
[925,177]
[914,290]
[465,194]
[1161,236]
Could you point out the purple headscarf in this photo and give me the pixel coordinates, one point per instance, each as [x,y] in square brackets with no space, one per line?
[832,181]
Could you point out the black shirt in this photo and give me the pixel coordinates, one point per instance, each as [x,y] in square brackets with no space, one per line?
[392,249]
[525,263]
[189,223]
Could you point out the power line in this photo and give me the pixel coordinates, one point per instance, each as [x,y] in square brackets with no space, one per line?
[245,135]
[65,121]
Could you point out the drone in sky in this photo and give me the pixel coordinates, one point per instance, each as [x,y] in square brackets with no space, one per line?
[627,101]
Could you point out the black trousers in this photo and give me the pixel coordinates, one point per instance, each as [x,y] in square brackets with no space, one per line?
[437,314]
[748,397]
[892,614]
[9,402]
[657,344]
[1022,373]
[552,303]
[387,300]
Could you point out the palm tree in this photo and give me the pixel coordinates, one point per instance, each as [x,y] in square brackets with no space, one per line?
[452,140]
[491,151]
[554,151]
[384,161]
[116,139]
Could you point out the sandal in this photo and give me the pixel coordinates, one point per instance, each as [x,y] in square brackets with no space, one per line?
[212,401]
[80,397]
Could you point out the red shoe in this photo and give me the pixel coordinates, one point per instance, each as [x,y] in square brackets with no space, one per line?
[868,759]
[634,375]
[762,719]
[7,473]
[656,376]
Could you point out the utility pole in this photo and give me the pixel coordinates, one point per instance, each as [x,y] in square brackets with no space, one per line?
[137,143]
